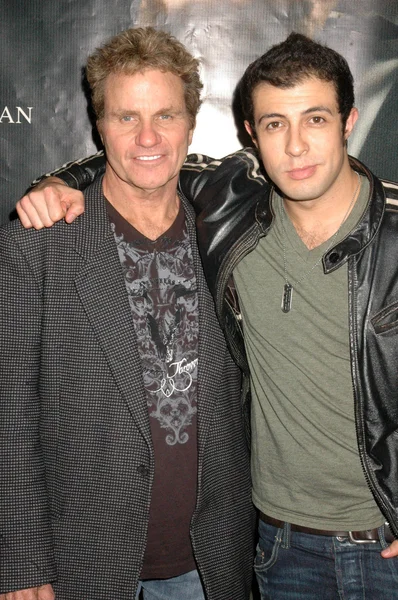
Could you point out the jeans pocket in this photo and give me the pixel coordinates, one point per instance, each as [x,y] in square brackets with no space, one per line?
[384,544]
[267,552]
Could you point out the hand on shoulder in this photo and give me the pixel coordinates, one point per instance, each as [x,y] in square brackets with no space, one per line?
[50,201]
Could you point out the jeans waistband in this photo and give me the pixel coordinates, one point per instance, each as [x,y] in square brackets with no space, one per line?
[367,536]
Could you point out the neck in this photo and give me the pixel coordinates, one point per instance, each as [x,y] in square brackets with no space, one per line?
[317,220]
[150,212]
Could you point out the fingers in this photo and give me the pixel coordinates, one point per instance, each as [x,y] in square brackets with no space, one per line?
[74,205]
[26,222]
[44,592]
[28,594]
[391,551]
[48,203]
[42,206]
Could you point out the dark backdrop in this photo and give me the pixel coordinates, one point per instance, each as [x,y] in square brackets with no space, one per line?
[45,43]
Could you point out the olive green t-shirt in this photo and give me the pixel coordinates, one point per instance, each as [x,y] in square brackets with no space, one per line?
[305,463]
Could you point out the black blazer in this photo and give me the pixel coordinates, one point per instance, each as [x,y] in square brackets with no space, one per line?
[75,443]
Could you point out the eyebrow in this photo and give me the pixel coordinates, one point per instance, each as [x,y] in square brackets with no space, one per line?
[166,109]
[307,111]
[320,108]
[122,113]
[170,109]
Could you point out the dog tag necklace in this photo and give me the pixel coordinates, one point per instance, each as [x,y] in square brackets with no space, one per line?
[288,288]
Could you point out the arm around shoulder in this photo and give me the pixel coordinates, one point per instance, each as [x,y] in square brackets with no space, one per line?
[56,195]
[239,173]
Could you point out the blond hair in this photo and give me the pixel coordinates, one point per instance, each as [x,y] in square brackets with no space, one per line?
[137,50]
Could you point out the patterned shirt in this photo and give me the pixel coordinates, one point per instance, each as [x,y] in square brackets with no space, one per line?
[161,286]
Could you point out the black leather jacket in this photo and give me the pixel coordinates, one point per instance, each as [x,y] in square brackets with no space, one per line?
[231,197]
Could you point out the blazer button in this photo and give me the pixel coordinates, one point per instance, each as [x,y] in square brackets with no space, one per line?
[143,471]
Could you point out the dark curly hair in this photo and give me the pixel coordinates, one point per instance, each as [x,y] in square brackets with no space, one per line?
[289,63]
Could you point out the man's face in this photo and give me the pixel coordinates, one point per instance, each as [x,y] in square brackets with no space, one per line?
[300,139]
[145,130]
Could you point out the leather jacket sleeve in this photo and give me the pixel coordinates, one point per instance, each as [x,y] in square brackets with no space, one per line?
[194,175]
[197,171]
[78,174]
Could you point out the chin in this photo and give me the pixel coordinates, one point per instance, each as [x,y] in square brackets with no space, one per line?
[302,192]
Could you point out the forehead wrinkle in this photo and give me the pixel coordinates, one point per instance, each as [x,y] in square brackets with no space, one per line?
[320,108]
[119,112]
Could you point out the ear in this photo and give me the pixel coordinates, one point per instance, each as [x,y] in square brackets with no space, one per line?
[250,132]
[98,124]
[352,119]
[190,135]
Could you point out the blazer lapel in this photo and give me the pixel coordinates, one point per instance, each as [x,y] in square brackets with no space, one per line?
[211,341]
[101,288]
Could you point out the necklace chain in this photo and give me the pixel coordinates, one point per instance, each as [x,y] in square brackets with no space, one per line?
[286,304]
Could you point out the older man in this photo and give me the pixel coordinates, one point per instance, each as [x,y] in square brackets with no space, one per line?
[124,458]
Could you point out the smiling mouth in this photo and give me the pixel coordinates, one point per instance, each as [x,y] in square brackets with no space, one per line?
[148,158]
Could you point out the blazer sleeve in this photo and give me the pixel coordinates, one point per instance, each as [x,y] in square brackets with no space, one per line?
[26,547]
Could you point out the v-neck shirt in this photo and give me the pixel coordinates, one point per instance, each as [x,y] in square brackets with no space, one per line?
[305,462]
[161,287]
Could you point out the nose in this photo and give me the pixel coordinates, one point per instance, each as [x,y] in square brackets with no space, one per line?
[296,143]
[147,135]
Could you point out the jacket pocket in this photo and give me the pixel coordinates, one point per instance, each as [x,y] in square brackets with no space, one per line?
[386,320]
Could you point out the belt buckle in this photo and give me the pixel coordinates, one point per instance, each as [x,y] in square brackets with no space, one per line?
[356,541]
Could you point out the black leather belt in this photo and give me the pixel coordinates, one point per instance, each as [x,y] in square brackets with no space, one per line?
[368,536]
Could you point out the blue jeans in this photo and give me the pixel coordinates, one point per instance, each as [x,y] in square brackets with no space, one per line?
[298,566]
[184,587]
